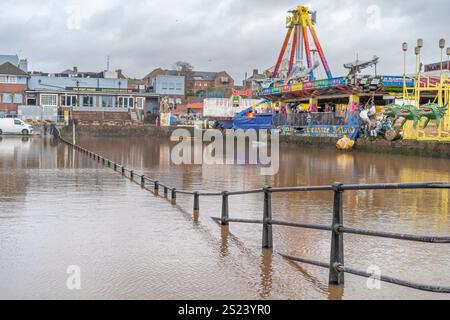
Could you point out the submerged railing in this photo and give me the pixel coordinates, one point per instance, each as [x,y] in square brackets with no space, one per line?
[336,266]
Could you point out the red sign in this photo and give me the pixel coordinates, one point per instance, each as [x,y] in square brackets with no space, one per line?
[242,93]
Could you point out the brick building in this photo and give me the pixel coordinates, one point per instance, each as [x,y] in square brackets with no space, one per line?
[13,86]
[197,84]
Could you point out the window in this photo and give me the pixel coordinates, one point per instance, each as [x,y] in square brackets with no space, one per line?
[88,101]
[49,100]
[18,98]
[17,122]
[7,98]
[171,86]
[12,79]
[107,102]
[125,102]
[68,101]
[8,79]
[31,99]
[140,103]
[164,85]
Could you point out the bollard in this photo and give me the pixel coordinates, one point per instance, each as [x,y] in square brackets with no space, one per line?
[143,181]
[123,171]
[166,192]
[174,196]
[156,187]
[225,209]
[131,174]
[267,242]
[337,238]
[109,164]
[115,166]
[196,201]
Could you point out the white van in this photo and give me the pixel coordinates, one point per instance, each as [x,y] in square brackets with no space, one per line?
[14,126]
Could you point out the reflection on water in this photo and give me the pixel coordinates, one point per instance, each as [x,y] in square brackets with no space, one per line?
[60,208]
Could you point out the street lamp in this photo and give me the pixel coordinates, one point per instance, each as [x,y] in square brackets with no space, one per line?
[448,58]
[442,46]
[417,52]
[420,46]
[405,49]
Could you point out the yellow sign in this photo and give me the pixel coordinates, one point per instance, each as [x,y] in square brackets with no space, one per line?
[297,87]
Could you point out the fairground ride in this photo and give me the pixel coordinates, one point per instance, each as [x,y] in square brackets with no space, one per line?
[299,22]
[425,109]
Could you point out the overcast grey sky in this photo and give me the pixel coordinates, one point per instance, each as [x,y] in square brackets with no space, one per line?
[232,35]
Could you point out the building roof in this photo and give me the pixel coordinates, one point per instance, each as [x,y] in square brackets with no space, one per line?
[14,59]
[196,75]
[10,69]
[205,76]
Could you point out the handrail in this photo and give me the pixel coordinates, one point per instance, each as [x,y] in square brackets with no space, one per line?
[336,267]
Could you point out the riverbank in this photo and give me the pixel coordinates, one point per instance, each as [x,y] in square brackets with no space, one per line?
[403,147]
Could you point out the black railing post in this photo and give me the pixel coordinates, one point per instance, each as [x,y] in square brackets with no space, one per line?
[166,192]
[131,174]
[115,166]
[225,209]
[174,196]
[196,201]
[123,170]
[143,181]
[337,238]
[156,187]
[267,241]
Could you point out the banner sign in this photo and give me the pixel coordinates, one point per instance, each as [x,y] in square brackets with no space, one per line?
[241,93]
[323,131]
[396,82]
[286,89]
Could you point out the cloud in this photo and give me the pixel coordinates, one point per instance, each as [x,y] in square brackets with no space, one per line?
[232,35]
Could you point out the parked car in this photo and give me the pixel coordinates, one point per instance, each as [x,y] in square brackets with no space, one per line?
[14,126]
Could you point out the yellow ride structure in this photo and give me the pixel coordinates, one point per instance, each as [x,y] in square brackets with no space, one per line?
[428,90]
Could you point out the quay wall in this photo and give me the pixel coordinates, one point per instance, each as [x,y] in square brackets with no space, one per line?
[403,147]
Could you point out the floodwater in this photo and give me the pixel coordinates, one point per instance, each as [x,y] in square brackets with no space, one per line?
[60,209]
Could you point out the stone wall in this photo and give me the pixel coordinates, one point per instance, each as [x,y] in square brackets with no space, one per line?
[119,131]
[404,147]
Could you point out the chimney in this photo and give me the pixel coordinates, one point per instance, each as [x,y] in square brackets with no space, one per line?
[255,72]
[75,69]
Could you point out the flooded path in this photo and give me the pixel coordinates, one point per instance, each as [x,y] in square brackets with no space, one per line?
[59,208]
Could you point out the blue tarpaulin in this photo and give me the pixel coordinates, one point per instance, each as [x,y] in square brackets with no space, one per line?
[258,121]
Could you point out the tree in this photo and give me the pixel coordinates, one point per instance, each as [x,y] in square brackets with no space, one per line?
[187,70]
[183,67]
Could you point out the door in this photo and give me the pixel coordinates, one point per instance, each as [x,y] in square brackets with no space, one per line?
[18,126]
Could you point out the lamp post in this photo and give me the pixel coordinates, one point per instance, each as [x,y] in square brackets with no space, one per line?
[417,52]
[442,46]
[448,59]
[405,49]
[420,46]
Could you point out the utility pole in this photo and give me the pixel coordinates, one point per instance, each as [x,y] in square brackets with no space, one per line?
[73,133]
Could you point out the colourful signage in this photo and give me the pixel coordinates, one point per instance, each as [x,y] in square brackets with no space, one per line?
[286,89]
[297,87]
[396,82]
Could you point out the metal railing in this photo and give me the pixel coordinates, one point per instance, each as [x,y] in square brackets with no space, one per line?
[337,268]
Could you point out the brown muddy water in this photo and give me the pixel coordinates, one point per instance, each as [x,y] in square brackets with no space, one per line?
[60,209]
